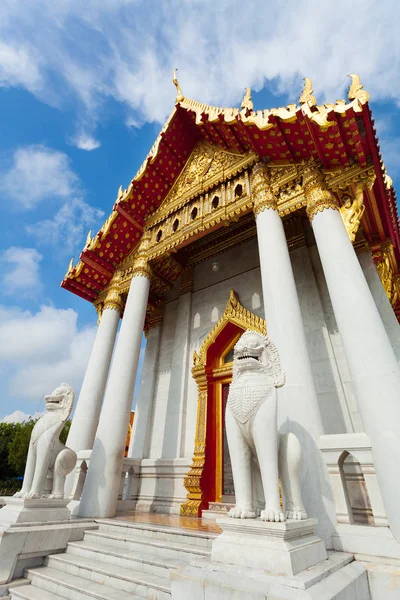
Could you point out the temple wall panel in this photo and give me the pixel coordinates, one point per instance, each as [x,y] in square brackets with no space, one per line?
[163,375]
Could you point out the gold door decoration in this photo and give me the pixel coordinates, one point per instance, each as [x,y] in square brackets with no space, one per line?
[238,315]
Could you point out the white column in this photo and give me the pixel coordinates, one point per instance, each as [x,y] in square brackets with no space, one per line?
[100,494]
[298,409]
[141,424]
[372,363]
[84,423]
[383,305]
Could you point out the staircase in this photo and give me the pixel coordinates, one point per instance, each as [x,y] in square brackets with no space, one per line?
[119,561]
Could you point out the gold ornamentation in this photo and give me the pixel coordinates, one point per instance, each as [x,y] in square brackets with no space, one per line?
[179,95]
[317,194]
[247,104]
[240,316]
[386,266]
[352,211]
[113,298]
[141,267]
[387,180]
[261,189]
[206,167]
[88,238]
[356,91]
[307,93]
[99,309]
[70,268]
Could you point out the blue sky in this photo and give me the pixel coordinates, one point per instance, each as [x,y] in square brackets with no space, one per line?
[84,90]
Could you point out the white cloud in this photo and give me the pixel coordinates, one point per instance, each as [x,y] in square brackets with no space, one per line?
[21,271]
[38,173]
[68,228]
[39,350]
[127,50]
[18,416]
[85,141]
[19,67]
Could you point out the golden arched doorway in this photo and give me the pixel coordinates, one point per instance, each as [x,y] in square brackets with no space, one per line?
[212,371]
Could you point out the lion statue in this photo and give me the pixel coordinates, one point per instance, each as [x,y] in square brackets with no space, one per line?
[253,440]
[48,459]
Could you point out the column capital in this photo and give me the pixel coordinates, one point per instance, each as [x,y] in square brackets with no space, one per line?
[113,299]
[141,266]
[261,189]
[317,194]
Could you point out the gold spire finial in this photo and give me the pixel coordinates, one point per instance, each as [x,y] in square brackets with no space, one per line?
[246,102]
[356,90]
[88,238]
[307,93]
[179,95]
[70,266]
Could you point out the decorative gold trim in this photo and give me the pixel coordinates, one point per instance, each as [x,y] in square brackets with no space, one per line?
[307,93]
[243,318]
[352,211]
[356,91]
[113,300]
[318,196]
[261,190]
[386,266]
[99,309]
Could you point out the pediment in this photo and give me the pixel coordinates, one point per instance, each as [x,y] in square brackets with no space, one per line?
[207,166]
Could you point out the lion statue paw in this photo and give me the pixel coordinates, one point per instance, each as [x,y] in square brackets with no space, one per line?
[237,512]
[274,516]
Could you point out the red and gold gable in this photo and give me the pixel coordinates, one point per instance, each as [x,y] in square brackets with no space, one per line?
[335,135]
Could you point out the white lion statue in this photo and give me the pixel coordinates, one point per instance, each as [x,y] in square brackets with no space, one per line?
[251,428]
[47,457]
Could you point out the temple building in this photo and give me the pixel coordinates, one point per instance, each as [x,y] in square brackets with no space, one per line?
[282,221]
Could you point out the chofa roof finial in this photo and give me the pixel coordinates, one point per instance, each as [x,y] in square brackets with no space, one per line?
[246,102]
[307,93]
[179,95]
[356,90]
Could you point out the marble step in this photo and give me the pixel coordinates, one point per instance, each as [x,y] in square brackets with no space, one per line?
[156,532]
[31,592]
[65,585]
[165,549]
[112,575]
[148,563]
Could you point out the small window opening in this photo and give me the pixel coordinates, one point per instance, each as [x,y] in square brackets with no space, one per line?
[159,235]
[175,225]
[193,214]
[215,202]
[238,190]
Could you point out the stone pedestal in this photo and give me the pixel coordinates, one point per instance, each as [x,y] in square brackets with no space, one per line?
[279,548]
[38,510]
[32,529]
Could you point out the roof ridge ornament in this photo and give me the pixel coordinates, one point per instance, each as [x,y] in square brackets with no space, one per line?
[356,90]
[179,95]
[247,104]
[307,93]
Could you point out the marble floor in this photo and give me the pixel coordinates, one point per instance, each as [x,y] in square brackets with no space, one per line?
[192,523]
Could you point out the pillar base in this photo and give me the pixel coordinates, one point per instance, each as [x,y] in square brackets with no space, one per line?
[35,510]
[279,548]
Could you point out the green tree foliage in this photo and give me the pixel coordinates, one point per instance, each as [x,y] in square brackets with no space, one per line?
[6,435]
[14,444]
